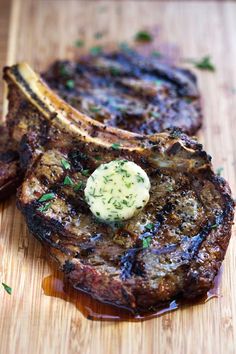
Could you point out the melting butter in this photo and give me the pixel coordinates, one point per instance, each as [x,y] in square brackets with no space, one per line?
[117,190]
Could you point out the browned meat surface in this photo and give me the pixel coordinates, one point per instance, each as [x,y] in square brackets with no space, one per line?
[129,91]
[122,90]
[10,172]
[173,248]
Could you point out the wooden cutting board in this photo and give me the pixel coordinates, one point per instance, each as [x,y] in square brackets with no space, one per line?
[39,31]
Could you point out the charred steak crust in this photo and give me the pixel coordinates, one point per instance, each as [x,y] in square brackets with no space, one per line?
[129,91]
[186,224]
[10,171]
[120,89]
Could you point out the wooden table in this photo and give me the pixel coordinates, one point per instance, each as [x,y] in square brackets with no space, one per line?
[39,31]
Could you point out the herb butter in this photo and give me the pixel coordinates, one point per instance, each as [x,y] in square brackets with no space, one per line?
[117,190]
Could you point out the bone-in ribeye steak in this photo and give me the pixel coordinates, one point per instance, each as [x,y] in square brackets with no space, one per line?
[129,91]
[121,89]
[186,225]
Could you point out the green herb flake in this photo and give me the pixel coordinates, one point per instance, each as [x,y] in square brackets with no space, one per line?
[140,179]
[70,84]
[63,70]
[175,134]
[214,226]
[7,288]
[188,99]
[156,54]
[146,241]
[65,164]
[219,171]
[115,146]
[98,35]
[78,186]
[95,109]
[169,188]
[45,207]
[114,71]
[150,226]
[143,36]
[96,50]
[124,47]
[68,181]
[46,197]
[79,43]
[203,64]
[85,173]
[107,179]
[155,114]
[98,158]
[118,224]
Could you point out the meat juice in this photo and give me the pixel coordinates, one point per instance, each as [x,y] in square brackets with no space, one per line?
[56,286]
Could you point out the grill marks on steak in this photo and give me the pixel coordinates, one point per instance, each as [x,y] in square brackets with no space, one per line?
[119,89]
[183,219]
[129,91]
[190,208]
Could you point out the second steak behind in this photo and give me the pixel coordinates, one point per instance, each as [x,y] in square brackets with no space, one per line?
[129,91]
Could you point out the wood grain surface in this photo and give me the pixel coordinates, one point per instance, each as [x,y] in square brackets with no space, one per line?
[39,31]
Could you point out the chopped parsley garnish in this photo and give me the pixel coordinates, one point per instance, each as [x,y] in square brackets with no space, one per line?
[95,109]
[68,181]
[169,188]
[118,224]
[63,70]
[114,71]
[203,64]
[107,179]
[175,134]
[98,158]
[219,171]
[85,173]
[79,43]
[45,207]
[117,204]
[70,84]
[146,241]
[188,99]
[124,47]
[78,186]
[140,179]
[143,36]
[115,146]
[46,197]
[150,226]
[7,288]
[214,226]
[65,164]
[158,82]
[93,194]
[98,35]
[96,50]
[156,54]
[155,114]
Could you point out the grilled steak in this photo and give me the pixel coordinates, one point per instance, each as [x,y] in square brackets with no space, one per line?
[186,225]
[121,89]
[10,171]
[129,91]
